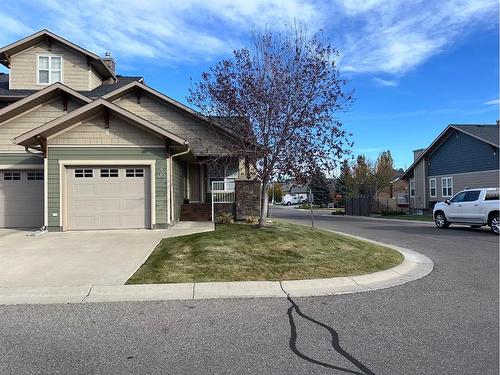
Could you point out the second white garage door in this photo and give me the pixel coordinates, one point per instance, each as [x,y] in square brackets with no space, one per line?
[21,199]
[108,197]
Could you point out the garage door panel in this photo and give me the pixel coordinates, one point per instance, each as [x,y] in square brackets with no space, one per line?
[109,190]
[133,204]
[86,189]
[108,199]
[113,204]
[83,206]
[21,199]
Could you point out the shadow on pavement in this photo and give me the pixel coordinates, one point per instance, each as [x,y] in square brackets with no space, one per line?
[334,342]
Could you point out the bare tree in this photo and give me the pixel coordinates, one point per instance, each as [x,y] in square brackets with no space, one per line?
[284,93]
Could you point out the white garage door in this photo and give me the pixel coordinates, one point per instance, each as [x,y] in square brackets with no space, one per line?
[108,197]
[21,199]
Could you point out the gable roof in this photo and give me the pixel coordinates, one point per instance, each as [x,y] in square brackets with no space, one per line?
[60,124]
[37,98]
[104,89]
[487,133]
[42,35]
[101,90]
[184,108]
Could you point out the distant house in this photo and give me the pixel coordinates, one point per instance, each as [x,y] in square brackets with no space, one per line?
[462,156]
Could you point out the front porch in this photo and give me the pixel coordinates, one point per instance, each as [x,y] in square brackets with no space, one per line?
[207,181]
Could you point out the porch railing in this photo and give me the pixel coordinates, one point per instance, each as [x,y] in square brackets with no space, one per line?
[222,192]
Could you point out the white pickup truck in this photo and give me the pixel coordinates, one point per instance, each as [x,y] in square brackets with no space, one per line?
[290,199]
[474,207]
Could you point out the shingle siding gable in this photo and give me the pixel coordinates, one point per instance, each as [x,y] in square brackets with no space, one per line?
[23,72]
[461,153]
[31,119]
[202,139]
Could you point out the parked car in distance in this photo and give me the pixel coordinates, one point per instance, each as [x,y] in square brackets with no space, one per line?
[475,207]
[290,199]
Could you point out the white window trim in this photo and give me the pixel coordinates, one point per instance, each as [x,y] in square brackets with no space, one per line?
[410,189]
[38,69]
[430,188]
[447,186]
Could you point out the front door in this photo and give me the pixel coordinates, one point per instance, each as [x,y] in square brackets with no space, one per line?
[194,180]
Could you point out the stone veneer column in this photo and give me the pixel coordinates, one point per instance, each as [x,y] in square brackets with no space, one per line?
[247,198]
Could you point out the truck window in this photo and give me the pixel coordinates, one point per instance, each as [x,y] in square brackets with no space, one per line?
[459,197]
[472,196]
[492,195]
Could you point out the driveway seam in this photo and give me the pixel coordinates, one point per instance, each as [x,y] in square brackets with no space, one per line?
[88,294]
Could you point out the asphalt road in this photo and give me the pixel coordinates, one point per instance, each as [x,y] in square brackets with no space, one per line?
[445,323]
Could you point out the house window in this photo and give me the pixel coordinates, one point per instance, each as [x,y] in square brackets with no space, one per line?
[12,176]
[109,172]
[447,184]
[35,176]
[49,69]
[83,173]
[432,187]
[135,172]
[412,188]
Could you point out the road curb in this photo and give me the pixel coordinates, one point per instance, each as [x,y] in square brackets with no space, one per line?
[414,267]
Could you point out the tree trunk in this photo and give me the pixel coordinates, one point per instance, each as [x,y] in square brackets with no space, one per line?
[263,204]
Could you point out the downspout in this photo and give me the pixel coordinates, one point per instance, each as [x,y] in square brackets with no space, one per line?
[43,229]
[33,153]
[171,218]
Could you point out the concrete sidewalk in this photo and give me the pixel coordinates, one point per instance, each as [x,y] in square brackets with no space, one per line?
[414,267]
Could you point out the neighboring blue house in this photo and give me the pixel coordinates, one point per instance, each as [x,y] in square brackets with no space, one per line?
[462,156]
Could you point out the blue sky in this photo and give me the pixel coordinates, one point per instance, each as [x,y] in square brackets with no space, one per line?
[416,66]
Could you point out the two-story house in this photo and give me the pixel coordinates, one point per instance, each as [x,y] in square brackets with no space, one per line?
[84,148]
[462,156]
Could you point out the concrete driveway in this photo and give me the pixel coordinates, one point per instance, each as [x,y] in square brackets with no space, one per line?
[73,258]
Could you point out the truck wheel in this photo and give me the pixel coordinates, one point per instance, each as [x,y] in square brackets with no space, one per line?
[440,221]
[288,204]
[495,224]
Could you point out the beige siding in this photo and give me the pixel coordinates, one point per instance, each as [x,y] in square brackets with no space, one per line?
[94,79]
[23,72]
[31,119]
[93,132]
[420,199]
[472,180]
[202,139]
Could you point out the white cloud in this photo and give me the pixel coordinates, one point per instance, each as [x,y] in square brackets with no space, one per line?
[393,36]
[493,102]
[168,30]
[368,150]
[385,82]
[374,36]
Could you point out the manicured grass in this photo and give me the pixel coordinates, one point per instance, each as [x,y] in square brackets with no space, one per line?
[281,251]
[409,217]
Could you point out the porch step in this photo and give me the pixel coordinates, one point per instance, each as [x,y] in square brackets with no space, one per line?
[196,212]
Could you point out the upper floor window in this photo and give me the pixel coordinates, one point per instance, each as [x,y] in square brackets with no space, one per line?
[412,188]
[49,69]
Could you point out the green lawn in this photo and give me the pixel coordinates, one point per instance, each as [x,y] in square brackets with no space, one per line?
[281,251]
[409,217]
